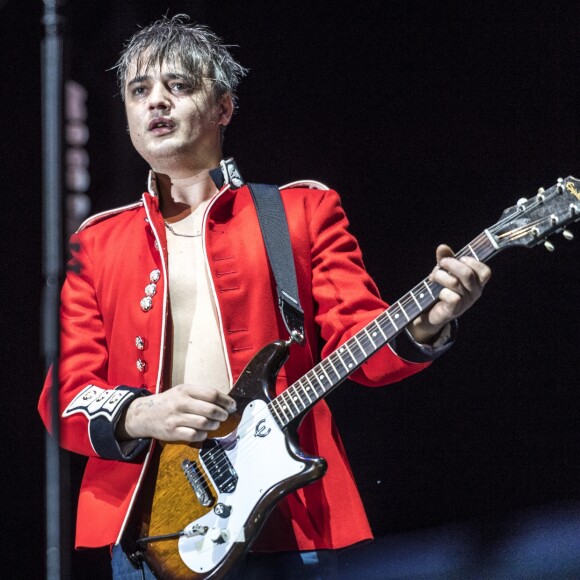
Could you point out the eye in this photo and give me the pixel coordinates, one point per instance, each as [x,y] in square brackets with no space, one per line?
[138,90]
[180,87]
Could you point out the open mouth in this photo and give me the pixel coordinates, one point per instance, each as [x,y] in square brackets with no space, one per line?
[161,125]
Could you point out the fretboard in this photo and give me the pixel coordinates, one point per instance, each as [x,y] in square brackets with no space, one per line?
[335,368]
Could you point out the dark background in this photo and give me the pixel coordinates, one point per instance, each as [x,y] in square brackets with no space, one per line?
[429,118]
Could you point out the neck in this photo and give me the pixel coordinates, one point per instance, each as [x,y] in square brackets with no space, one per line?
[180,195]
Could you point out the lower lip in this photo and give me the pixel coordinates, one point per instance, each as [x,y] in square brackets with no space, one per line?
[161,130]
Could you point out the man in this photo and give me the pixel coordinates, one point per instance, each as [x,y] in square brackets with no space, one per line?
[171,297]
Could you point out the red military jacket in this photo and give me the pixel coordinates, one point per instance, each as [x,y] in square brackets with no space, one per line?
[115,319]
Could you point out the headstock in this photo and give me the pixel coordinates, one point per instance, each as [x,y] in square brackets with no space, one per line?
[532,221]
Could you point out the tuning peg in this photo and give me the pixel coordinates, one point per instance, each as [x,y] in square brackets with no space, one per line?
[549,246]
[521,202]
[568,235]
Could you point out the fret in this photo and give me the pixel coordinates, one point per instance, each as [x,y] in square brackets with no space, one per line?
[365,343]
[370,338]
[380,329]
[359,345]
[305,391]
[428,289]
[353,358]
[421,296]
[338,376]
[285,406]
[392,321]
[473,252]
[340,358]
[415,299]
[401,307]
[273,407]
[282,411]
[319,381]
[321,366]
[315,382]
[292,399]
[312,386]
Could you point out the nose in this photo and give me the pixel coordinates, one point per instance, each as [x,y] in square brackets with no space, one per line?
[159,97]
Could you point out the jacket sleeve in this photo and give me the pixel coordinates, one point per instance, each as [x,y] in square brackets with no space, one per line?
[347,299]
[89,407]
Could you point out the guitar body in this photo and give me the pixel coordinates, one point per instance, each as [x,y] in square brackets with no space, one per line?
[221,491]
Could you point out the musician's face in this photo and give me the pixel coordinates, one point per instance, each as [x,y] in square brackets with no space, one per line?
[171,121]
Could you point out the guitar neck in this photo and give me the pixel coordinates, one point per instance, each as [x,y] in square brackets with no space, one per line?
[302,395]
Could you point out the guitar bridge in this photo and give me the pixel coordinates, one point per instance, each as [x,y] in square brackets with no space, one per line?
[197,482]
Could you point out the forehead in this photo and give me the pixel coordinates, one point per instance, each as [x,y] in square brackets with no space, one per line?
[145,66]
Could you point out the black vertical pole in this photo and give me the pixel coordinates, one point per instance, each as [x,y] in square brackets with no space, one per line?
[52,82]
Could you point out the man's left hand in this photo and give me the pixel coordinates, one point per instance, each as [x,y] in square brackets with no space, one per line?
[462,280]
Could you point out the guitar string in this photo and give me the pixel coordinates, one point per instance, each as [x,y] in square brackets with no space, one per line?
[408,299]
[292,395]
[288,396]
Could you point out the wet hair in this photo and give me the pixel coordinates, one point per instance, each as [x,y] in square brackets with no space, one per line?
[194,48]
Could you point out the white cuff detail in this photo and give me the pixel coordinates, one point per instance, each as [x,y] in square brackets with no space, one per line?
[94,401]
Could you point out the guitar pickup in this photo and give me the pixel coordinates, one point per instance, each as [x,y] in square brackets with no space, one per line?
[219,466]
[197,481]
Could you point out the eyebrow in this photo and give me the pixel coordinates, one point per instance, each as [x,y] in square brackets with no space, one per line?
[138,80]
[166,76]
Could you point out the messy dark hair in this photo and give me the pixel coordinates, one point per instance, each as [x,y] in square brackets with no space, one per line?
[198,51]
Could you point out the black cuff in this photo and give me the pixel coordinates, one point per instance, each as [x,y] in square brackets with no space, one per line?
[406,347]
[102,429]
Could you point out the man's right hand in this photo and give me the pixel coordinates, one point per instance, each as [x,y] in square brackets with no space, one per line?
[183,413]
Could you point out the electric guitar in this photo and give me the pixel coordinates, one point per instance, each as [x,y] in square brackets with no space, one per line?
[210,500]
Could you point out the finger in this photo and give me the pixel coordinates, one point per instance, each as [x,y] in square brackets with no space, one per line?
[185,407]
[465,276]
[451,301]
[196,407]
[448,280]
[201,423]
[210,395]
[443,251]
[483,271]
[191,428]
[189,435]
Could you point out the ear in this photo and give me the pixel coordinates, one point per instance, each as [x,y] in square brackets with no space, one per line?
[225,109]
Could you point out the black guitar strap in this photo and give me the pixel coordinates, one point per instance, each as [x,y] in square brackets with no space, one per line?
[274,226]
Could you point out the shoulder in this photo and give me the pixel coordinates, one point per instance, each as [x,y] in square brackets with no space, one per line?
[112,217]
[306,191]
[305,184]
[311,195]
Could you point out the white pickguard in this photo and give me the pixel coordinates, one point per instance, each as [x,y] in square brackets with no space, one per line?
[261,460]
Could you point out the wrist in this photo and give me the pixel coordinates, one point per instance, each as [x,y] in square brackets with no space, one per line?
[126,428]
